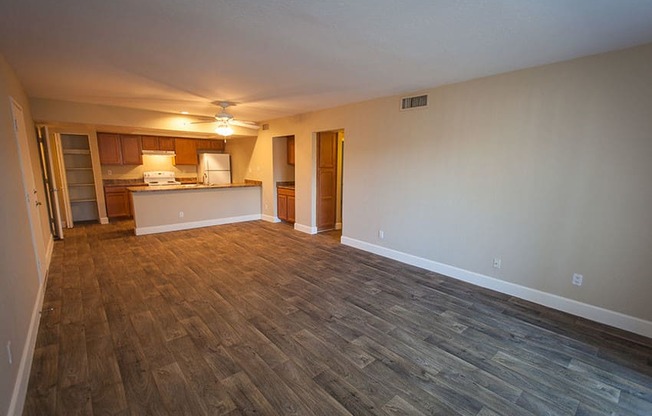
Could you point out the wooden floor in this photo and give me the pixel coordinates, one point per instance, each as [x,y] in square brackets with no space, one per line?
[255,318]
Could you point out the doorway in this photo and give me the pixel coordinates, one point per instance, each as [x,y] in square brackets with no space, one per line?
[329,170]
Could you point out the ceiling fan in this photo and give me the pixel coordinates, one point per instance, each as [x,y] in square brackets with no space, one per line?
[225,120]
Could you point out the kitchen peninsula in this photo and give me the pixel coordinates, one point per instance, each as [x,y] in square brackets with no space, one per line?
[160,209]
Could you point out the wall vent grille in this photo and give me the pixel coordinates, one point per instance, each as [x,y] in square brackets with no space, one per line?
[265,126]
[419,101]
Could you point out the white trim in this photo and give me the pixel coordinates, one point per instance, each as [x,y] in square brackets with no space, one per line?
[48,252]
[305,228]
[270,218]
[22,379]
[338,225]
[594,313]
[104,220]
[195,224]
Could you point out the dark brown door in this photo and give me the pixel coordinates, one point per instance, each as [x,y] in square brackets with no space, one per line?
[326,180]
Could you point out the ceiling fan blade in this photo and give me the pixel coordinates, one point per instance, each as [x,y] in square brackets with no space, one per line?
[201,122]
[245,124]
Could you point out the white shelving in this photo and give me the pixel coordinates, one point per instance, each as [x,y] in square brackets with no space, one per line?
[79,175]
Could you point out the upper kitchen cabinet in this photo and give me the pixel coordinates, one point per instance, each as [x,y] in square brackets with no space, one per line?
[119,149]
[290,145]
[217,145]
[109,145]
[158,143]
[132,150]
[213,145]
[186,151]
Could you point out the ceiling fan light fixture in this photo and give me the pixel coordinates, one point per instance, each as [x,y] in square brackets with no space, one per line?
[223,129]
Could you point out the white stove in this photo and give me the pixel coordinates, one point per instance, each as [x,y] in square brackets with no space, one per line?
[159,178]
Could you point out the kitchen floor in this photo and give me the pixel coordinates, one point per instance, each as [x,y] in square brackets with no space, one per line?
[256,318]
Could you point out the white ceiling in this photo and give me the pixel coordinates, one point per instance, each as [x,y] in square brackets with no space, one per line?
[284,57]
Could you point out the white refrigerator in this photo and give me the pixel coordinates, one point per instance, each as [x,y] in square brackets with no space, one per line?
[214,168]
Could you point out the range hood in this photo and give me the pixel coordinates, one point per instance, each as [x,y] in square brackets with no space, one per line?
[159,152]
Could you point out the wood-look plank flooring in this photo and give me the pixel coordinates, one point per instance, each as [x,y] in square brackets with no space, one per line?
[256,318]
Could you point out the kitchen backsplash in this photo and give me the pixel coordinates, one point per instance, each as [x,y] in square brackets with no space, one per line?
[150,162]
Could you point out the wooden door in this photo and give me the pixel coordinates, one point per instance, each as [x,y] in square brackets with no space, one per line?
[326,180]
[132,150]
[110,148]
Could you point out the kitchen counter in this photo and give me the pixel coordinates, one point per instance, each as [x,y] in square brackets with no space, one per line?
[285,185]
[189,187]
[159,209]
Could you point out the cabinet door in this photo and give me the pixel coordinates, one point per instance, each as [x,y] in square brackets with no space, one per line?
[291,151]
[217,145]
[291,216]
[166,143]
[203,144]
[282,207]
[186,151]
[117,202]
[150,143]
[110,148]
[131,150]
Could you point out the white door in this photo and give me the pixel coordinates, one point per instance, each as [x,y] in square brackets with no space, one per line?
[32,201]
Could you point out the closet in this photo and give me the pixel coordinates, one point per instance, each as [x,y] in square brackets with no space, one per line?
[80,182]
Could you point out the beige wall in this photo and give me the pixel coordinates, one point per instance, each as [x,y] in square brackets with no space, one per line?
[546,168]
[19,285]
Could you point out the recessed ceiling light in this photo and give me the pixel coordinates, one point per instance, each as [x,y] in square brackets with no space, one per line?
[184,112]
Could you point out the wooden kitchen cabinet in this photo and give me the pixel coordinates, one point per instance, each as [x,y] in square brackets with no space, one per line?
[217,145]
[158,143]
[119,149]
[213,145]
[186,151]
[109,145]
[290,145]
[118,203]
[150,143]
[285,204]
[132,150]
[165,143]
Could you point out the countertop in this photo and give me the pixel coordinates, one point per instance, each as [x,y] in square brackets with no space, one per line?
[190,186]
[285,185]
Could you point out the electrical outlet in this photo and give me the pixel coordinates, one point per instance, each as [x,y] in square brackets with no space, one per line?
[181,214]
[577,279]
[381,234]
[497,263]
[9,355]
[109,172]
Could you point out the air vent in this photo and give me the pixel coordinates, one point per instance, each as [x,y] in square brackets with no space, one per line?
[265,126]
[409,103]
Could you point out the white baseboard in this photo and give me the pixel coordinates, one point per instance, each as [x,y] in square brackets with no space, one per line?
[195,224]
[22,380]
[594,313]
[305,228]
[270,218]
[104,220]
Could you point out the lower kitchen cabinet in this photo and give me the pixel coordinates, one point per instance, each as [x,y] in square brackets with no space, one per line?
[118,201]
[285,204]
